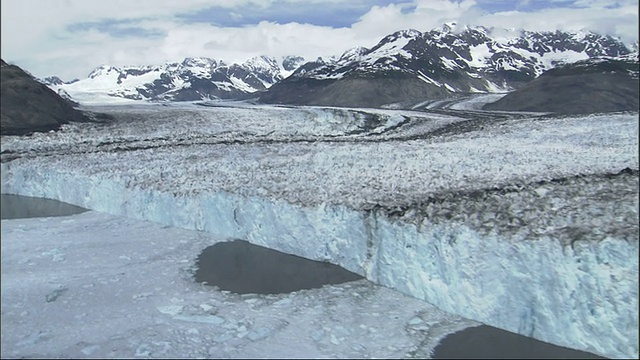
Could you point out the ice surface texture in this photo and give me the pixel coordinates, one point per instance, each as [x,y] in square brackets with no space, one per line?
[515,224]
[95,285]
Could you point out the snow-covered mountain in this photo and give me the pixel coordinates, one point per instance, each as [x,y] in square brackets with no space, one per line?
[404,68]
[410,65]
[192,79]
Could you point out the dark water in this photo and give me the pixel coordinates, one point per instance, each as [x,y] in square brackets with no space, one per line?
[244,268]
[488,342]
[20,207]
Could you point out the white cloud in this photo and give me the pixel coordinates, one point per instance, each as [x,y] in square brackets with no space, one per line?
[279,40]
[621,22]
[36,34]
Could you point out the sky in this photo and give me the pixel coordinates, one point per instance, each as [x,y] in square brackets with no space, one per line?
[69,38]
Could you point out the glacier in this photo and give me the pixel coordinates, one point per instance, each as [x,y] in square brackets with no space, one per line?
[529,225]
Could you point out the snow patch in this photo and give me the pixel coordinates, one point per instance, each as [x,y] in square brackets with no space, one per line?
[494,88]
[479,55]
[427,79]
[450,88]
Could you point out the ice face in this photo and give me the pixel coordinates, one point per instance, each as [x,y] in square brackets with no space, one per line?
[494,225]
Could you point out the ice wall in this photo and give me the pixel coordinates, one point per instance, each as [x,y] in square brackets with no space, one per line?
[582,295]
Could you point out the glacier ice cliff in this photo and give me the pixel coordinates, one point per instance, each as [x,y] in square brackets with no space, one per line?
[527,223]
[580,294]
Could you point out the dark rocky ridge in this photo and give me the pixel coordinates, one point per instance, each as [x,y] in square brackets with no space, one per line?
[358,92]
[590,86]
[28,105]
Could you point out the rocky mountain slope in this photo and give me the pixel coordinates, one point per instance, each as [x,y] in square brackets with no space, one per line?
[29,106]
[409,66]
[594,85]
[191,79]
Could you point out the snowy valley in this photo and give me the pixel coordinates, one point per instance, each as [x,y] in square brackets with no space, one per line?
[523,221]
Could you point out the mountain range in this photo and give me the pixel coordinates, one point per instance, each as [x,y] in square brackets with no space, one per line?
[404,68]
[192,79]
[409,66]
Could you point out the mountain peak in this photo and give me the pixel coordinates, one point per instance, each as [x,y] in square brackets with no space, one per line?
[199,62]
[353,54]
[261,62]
[393,43]
[292,62]
[102,70]
[407,33]
[52,80]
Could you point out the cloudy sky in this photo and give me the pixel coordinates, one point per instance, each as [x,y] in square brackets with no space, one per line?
[69,38]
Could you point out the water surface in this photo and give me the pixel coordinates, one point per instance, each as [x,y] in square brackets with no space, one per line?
[488,342]
[21,207]
[241,267]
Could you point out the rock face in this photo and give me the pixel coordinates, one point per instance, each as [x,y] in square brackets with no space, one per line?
[29,106]
[589,86]
[410,66]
